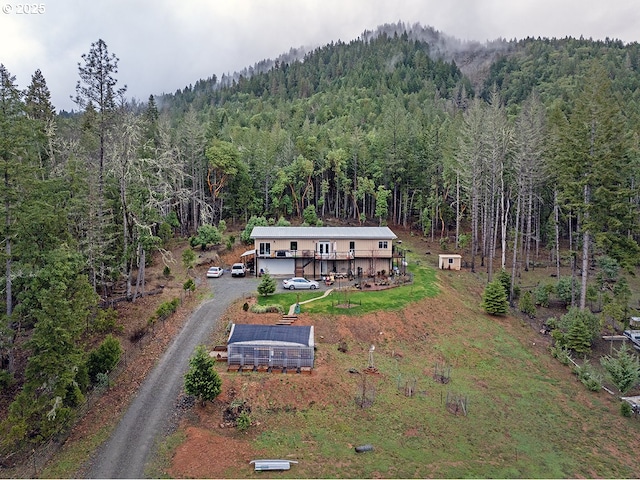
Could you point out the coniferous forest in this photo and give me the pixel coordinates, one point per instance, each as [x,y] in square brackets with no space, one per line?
[508,149]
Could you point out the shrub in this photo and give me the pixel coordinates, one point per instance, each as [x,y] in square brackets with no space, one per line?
[564,288]
[587,375]
[577,329]
[102,380]
[561,353]
[188,258]
[206,235]
[6,379]
[166,309]
[625,409]
[166,271]
[189,285]
[104,358]
[309,215]
[463,240]
[526,305]
[243,422]
[106,321]
[274,308]
[541,294]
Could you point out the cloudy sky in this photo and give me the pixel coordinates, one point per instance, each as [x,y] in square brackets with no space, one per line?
[164,45]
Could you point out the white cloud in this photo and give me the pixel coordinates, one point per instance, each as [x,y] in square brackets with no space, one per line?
[167,44]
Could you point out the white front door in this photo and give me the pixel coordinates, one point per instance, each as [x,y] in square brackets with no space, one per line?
[324,248]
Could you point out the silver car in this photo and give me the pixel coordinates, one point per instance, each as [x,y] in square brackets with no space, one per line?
[215,272]
[300,283]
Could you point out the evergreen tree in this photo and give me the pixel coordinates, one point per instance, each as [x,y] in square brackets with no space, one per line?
[96,93]
[623,369]
[19,178]
[494,298]
[267,285]
[590,165]
[526,304]
[382,207]
[202,381]
[104,358]
[59,300]
[37,98]
[577,329]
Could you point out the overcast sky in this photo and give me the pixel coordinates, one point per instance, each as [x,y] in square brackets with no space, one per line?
[164,45]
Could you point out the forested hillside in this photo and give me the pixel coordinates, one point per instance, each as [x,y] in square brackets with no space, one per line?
[505,149]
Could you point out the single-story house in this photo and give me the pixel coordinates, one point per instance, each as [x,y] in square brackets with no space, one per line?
[449,261]
[319,251]
[280,346]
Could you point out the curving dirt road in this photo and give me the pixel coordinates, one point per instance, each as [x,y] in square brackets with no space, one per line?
[148,418]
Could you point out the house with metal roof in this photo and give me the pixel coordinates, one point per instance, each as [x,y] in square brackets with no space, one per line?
[270,346]
[318,251]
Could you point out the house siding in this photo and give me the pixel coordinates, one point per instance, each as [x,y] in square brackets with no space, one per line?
[319,250]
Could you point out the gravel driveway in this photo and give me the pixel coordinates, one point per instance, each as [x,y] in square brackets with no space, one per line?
[148,418]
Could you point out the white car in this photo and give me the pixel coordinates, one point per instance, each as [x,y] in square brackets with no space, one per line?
[300,283]
[238,270]
[215,272]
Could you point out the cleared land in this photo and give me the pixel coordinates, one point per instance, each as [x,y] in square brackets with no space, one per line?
[527,415]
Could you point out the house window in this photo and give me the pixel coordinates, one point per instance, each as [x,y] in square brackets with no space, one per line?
[265,250]
[352,246]
[294,246]
[383,244]
[451,260]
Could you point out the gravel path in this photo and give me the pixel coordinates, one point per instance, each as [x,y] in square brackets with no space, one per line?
[148,418]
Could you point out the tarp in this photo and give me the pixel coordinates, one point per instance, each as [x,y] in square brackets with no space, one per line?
[248,252]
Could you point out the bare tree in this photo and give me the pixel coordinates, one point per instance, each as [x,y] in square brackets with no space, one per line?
[469,160]
[528,165]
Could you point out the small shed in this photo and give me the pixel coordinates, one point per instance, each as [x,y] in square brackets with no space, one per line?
[281,346]
[449,261]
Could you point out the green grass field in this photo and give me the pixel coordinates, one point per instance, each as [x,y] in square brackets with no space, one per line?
[363,301]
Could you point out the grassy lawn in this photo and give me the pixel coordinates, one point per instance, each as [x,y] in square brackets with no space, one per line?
[362,301]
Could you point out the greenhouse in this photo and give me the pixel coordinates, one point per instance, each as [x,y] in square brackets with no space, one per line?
[270,346]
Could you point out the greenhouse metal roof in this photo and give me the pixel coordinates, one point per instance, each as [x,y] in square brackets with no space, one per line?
[242,333]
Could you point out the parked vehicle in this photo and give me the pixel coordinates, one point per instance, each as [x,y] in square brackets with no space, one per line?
[300,283]
[238,270]
[215,272]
